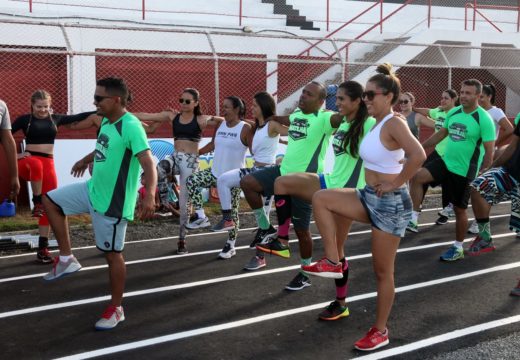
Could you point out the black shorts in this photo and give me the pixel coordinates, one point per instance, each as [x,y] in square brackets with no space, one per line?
[434,156]
[456,186]
[301,210]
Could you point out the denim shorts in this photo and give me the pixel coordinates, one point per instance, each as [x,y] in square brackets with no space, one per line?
[74,199]
[389,213]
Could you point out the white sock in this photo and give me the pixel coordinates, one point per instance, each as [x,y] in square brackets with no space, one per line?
[231,243]
[415,215]
[65,258]
[200,213]
[458,244]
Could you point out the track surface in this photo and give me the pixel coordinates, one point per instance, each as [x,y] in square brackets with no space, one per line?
[198,307]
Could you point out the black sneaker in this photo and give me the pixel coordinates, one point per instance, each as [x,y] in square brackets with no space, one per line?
[299,282]
[181,247]
[275,247]
[262,236]
[44,256]
[334,311]
[442,220]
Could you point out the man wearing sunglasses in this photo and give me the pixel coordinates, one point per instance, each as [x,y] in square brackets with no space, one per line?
[109,196]
[471,140]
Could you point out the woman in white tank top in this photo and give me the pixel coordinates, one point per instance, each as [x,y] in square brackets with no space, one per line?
[384,203]
[263,143]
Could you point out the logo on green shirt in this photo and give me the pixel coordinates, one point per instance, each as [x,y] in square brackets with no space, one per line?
[458,132]
[337,142]
[298,129]
[101,148]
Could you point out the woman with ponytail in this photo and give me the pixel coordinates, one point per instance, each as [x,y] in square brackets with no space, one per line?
[503,127]
[384,202]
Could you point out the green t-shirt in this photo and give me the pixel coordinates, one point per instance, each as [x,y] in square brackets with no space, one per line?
[467,133]
[348,171]
[113,186]
[309,136]
[439,116]
[517,119]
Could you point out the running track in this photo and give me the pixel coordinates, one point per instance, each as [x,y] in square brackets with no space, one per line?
[197,307]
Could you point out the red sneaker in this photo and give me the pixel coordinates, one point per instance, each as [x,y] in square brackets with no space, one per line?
[374,339]
[324,268]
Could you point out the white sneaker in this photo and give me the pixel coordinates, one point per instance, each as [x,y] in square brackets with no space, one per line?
[60,268]
[473,228]
[198,224]
[227,252]
[447,211]
[110,318]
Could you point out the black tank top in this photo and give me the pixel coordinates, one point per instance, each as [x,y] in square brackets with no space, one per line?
[190,131]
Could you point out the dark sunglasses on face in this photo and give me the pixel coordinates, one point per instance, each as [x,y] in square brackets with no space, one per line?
[184,101]
[99,98]
[370,95]
[404,101]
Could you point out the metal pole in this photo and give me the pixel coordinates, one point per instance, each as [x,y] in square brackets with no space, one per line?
[430,12]
[240,13]
[328,9]
[144,8]
[217,82]
[449,79]
[474,13]
[518,18]
[381,18]
[30,6]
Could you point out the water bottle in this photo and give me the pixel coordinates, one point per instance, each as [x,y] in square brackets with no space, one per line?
[7,208]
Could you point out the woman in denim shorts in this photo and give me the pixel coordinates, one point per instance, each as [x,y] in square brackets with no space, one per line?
[384,203]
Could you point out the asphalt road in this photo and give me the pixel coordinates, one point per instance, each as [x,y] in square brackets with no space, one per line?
[198,307]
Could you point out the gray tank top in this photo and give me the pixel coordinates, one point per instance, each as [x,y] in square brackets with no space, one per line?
[410,119]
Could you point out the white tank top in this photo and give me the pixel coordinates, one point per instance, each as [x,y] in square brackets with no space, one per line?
[376,156]
[264,146]
[229,151]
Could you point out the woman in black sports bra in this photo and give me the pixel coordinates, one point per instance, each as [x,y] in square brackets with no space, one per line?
[187,127]
[36,163]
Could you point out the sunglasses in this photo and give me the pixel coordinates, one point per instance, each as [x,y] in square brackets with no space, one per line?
[99,98]
[185,101]
[370,95]
[404,101]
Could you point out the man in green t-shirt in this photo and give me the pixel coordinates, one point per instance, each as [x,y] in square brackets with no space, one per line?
[471,140]
[310,130]
[109,196]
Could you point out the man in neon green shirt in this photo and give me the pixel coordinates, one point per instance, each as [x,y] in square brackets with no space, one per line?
[109,196]
[310,130]
[471,141]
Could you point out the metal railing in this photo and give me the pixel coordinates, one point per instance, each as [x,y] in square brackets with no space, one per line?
[475,7]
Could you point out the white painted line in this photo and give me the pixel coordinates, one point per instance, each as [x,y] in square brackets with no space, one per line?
[272,316]
[441,338]
[200,283]
[172,257]
[213,233]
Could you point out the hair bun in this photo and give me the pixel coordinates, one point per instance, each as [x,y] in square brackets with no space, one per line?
[385,69]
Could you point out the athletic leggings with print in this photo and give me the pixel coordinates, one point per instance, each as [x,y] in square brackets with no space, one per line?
[184,165]
[205,179]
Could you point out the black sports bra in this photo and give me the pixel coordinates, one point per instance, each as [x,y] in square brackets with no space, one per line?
[190,131]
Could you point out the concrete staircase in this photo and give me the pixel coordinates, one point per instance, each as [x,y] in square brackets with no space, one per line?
[293,15]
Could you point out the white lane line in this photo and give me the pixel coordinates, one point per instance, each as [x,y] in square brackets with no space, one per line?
[441,338]
[212,233]
[235,324]
[201,282]
[172,257]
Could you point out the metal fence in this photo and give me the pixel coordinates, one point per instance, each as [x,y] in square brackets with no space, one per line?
[67,59]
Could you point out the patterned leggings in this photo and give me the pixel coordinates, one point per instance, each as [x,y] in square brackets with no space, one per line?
[204,179]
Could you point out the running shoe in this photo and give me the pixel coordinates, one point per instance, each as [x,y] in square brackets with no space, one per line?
[516,290]
[324,268]
[198,223]
[334,311]
[111,317]
[223,225]
[44,256]
[473,228]
[299,282]
[263,236]
[38,210]
[447,211]
[412,226]
[227,252]
[452,254]
[442,220]
[275,247]
[480,246]
[181,247]
[374,339]
[255,263]
[60,268]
